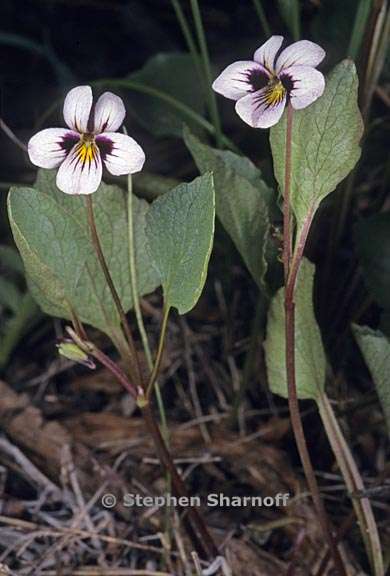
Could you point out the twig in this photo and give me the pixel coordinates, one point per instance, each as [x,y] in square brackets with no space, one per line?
[74,531]
[94,571]
[83,514]
[30,469]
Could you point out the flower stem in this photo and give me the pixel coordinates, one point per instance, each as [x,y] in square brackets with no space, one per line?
[99,253]
[140,321]
[291,269]
[193,522]
[286,204]
[92,350]
[137,308]
[207,543]
[160,349]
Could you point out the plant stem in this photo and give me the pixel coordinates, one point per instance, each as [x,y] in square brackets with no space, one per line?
[99,252]
[195,525]
[212,100]
[291,269]
[287,240]
[207,543]
[137,307]
[92,350]
[160,349]
[140,322]
[198,531]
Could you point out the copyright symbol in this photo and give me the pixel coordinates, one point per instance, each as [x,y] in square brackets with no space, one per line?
[108,500]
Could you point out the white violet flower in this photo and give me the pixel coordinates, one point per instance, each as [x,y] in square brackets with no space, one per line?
[90,141]
[263,86]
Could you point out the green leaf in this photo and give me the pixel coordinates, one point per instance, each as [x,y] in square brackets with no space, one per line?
[180,231]
[373,246]
[310,362]
[51,232]
[325,142]
[174,74]
[242,200]
[375,348]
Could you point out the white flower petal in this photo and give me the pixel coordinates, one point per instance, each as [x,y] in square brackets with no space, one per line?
[77,108]
[120,153]
[235,81]
[302,53]
[109,113]
[48,148]
[81,171]
[308,85]
[266,54]
[256,112]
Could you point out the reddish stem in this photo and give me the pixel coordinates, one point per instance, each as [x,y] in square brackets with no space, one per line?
[286,205]
[193,520]
[208,546]
[118,304]
[291,269]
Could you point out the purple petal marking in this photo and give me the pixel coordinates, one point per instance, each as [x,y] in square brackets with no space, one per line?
[257,78]
[68,141]
[105,145]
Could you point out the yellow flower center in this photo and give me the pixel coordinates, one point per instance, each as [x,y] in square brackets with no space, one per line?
[275,92]
[87,149]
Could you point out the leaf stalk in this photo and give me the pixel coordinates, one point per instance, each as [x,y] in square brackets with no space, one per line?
[291,269]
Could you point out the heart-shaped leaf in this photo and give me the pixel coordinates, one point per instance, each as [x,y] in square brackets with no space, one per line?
[310,360]
[51,232]
[325,142]
[180,231]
